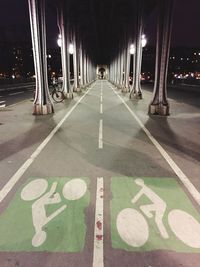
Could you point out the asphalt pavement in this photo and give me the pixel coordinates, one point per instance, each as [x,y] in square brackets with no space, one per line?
[100,182]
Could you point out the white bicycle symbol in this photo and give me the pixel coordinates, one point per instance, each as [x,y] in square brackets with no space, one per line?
[133,227]
[36,190]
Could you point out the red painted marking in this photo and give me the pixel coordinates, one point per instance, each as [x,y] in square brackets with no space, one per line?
[99,225]
[99,237]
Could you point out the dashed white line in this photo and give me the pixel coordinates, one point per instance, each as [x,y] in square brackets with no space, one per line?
[16,177]
[101,108]
[17,93]
[101,134]
[101,98]
[98,260]
[180,174]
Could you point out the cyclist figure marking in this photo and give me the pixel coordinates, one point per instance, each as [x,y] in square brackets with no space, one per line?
[39,217]
[158,206]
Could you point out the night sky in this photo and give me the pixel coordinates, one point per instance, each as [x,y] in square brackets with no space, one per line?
[14,23]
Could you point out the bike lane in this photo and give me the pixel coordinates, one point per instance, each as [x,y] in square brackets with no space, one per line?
[157,224]
[70,164]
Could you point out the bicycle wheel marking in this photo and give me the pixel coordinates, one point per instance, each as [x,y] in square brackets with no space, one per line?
[163,205]
[184,226]
[132,227]
[46,215]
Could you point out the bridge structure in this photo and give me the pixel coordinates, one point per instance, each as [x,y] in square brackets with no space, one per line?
[96,34]
[98,181]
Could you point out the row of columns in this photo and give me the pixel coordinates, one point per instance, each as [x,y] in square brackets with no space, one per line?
[83,68]
[120,66]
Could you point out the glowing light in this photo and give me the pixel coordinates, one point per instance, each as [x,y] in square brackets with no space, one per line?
[71,49]
[132,49]
[59,40]
[144,40]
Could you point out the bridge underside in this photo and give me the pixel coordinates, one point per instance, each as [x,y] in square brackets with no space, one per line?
[102,32]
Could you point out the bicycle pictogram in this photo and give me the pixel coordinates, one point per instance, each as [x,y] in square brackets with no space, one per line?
[37,191]
[133,228]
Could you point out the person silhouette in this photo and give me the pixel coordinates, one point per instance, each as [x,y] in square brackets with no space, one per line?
[158,206]
[35,190]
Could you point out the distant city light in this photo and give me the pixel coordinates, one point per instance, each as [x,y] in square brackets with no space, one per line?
[71,49]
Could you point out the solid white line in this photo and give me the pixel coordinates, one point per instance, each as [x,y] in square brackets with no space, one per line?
[181,175]
[16,93]
[101,134]
[101,108]
[98,228]
[16,177]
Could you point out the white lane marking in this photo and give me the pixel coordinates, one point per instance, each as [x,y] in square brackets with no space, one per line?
[101,108]
[180,174]
[17,93]
[101,98]
[101,134]
[98,228]
[16,177]
[2,104]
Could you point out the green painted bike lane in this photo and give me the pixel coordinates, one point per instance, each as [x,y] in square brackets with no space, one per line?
[133,222]
[46,215]
[49,215]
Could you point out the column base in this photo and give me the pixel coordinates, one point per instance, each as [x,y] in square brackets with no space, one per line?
[135,95]
[125,90]
[69,95]
[39,109]
[159,109]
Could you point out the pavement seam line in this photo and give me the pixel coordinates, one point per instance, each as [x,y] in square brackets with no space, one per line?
[98,260]
[16,177]
[180,174]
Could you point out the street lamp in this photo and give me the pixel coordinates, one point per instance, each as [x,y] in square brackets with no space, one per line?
[132,49]
[71,49]
[143,41]
[59,40]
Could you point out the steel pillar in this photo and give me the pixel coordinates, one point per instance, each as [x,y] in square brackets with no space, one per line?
[137,60]
[42,103]
[65,57]
[75,64]
[159,104]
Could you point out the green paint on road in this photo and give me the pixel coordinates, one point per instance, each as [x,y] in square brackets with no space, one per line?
[124,216]
[64,229]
